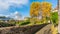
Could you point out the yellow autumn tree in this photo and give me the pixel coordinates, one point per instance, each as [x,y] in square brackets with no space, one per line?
[37,7]
[34,11]
[46,8]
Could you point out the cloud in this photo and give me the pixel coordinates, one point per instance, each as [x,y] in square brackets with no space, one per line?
[17,1]
[5,4]
[1,15]
[16,15]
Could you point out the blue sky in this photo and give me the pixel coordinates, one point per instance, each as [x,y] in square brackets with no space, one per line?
[8,7]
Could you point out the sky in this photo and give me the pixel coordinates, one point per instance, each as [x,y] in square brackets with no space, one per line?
[11,7]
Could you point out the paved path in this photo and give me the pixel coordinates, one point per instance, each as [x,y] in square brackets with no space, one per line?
[45,30]
[21,29]
[38,29]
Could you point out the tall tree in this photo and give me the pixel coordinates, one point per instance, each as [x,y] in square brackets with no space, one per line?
[46,9]
[38,8]
[34,9]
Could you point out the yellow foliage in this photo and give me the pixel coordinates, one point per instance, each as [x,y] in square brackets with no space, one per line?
[46,8]
[53,29]
[34,9]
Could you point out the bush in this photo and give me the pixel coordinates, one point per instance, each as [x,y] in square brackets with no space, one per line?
[6,24]
[54,18]
[24,23]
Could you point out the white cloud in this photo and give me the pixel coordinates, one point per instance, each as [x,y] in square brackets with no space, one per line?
[17,1]
[16,15]
[1,15]
[5,4]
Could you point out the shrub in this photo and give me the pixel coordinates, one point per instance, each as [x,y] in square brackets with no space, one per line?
[54,18]
[6,24]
